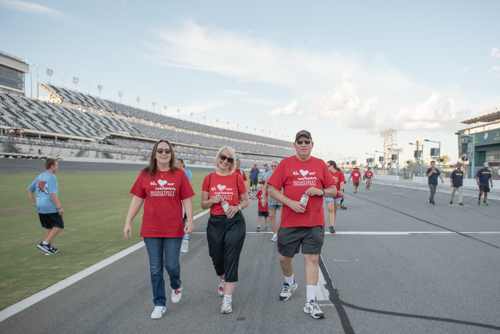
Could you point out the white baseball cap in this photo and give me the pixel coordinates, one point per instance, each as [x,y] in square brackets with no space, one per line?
[486,164]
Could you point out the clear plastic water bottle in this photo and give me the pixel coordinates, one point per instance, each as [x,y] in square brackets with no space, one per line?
[304,199]
[185,243]
[225,205]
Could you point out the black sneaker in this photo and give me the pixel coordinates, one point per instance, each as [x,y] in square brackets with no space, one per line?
[332,230]
[52,251]
[45,248]
[461,204]
[434,203]
[451,202]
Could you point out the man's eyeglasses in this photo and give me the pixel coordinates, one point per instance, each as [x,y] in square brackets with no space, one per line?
[222,157]
[160,150]
[303,141]
[274,166]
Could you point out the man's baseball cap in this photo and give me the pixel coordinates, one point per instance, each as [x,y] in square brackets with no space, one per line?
[266,165]
[303,133]
[486,164]
[459,164]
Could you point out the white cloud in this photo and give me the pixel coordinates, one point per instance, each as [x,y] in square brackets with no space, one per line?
[30,8]
[290,110]
[495,52]
[344,105]
[465,69]
[433,114]
[494,69]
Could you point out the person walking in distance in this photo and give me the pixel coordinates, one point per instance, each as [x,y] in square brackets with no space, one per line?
[482,177]
[273,204]
[305,180]
[254,178]
[456,181]
[179,164]
[164,190]
[240,171]
[432,174]
[50,211]
[226,229]
[333,203]
[356,175]
[368,178]
[262,208]
[266,173]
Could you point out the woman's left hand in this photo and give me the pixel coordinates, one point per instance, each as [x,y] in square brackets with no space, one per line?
[189,228]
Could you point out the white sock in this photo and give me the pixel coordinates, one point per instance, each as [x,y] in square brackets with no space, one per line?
[275,235]
[228,297]
[289,280]
[311,292]
[223,281]
[45,243]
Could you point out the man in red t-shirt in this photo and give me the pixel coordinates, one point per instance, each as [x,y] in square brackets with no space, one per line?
[369,179]
[356,175]
[305,180]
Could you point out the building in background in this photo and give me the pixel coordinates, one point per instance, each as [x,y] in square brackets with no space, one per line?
[12,73]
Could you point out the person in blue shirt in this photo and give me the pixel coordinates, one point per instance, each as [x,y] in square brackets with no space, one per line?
[179,163]
[254,177]
[482,177]
[432,174]
[266,173]
[456,181]
[50,211]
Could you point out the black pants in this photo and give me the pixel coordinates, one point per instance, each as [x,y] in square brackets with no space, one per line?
[225,241]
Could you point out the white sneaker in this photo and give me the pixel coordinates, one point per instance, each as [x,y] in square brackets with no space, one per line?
[176,295]
[158,312]
[221,288]
[227,306]
[287,291]
[274,238]
[313,309]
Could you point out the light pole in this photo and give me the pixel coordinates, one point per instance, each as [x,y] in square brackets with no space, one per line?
[397,166]
[473,153]
[110,90]
[165,109]
[154,103]
[383,161]
[421,158]
[49,73]
[120,94]
[129,96]
[191,117]
[204,123]
[99,88]
[63,79]
[31,80]
[178,113]
[88,87]
[432,141]
[75,81]
[373,157]
[37,81]
[138,100]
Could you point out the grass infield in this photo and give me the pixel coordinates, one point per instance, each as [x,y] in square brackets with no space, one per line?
[95,207]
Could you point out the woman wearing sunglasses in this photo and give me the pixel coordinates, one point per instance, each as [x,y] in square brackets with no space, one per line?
[163,189]
[226,227]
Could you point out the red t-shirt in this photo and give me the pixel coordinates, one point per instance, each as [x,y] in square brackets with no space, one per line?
[355,176]
[242,173]
[163,194]
[226,186]
[338,177]
[259,196]
[296,177]
[368,174]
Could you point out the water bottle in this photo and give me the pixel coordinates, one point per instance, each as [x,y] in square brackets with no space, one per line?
[185,243]
[225,205]
[304,199]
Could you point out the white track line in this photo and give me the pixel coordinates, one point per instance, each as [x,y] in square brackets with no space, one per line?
[25,303]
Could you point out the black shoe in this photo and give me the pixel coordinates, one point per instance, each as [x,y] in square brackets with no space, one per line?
[461,204]
[451,202]
[434,203]
[332,230]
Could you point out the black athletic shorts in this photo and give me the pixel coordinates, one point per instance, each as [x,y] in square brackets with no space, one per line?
[50,220]
[263,214]
[253,182]
[485,189]
[291,238]
[355,184]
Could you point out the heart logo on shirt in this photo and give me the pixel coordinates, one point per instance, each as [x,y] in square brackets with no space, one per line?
[162,182]
[221,187]
[304,172]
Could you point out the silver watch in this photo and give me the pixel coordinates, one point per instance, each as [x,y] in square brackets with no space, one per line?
[239,208]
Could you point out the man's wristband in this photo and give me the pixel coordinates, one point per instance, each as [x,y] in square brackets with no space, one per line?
[59,208]
[323,192]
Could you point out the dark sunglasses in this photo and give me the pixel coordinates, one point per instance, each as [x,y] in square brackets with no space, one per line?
[160,150]
[274,166]
[303,141]
[222,157]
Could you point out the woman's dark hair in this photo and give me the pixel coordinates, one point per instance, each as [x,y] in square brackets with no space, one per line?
[151,169]
[333,163]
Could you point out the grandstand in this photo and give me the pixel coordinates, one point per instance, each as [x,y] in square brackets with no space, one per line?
[69,123]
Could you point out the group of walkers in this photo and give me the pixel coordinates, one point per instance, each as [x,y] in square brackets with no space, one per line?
[484,180]
[297,186]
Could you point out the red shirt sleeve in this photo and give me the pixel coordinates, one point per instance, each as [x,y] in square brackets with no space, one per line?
[186,190]
[138,188]
[342,176]
[205,186]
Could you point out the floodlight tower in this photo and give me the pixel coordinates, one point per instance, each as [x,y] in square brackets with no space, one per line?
[75,81]
[99,88]
[49,73]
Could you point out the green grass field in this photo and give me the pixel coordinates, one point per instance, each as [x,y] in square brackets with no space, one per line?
[95,208]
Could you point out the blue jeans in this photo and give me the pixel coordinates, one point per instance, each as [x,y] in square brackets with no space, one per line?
[163,251]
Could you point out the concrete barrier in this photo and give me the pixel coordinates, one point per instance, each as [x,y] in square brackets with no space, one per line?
[386,177]
[468,183]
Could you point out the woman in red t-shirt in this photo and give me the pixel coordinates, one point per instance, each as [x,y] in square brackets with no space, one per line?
[163,189]
[226,227]
[333,203]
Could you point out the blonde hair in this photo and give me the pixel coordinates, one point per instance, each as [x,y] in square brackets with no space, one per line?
[232,167]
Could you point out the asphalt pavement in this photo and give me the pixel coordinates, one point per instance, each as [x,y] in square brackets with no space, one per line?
[395,265]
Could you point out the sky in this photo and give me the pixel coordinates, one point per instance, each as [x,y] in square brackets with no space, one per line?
[343,70]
